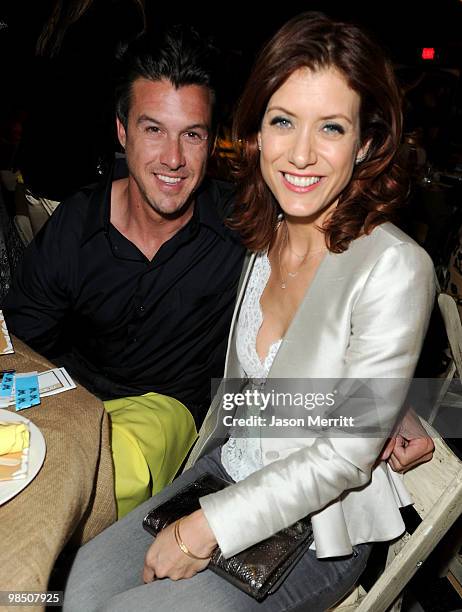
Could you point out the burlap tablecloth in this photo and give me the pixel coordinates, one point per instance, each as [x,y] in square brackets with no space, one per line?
[73,494]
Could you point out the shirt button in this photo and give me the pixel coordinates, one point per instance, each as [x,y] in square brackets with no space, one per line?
[141,308]
[134,340]
[272,455]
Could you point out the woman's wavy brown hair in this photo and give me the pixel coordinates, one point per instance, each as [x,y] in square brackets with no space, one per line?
[378,186]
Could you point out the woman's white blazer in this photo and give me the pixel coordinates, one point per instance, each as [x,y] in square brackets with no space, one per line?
[364,316]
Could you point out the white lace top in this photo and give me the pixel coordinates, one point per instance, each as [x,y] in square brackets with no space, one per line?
[241,456]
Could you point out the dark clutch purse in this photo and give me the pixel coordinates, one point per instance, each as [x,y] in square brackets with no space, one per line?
[258,570]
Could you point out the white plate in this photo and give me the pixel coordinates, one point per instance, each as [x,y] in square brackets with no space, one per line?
[37,450]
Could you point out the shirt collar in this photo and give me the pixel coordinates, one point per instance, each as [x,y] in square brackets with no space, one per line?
[207,205]
[99,209]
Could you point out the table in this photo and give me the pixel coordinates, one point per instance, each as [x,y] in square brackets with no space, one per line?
[71,498]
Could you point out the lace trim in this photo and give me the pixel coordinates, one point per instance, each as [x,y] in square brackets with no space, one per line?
[241,456]
[250,321]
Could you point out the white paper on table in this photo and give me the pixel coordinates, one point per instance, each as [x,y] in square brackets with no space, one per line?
[54,381]
[6,346]
[51,382]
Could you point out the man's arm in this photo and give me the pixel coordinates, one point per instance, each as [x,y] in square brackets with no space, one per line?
[38,300]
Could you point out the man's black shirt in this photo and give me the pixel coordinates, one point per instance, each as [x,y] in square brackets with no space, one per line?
[86,297]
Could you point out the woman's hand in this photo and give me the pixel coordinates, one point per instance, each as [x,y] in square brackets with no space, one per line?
[165,559]
[410,445]
[408,452]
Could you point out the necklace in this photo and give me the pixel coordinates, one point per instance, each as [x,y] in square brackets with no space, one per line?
[302,258]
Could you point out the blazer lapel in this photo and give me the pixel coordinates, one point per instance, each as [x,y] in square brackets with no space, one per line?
[232,368]
[292,360]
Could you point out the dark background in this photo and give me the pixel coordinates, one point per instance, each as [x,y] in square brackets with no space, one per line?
[72,94]
[240,28]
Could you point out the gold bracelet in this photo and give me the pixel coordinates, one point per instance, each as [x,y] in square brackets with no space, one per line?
[183,546]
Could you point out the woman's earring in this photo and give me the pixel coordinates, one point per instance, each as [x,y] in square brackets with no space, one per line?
[361,157]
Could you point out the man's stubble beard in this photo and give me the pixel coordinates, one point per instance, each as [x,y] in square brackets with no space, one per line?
[168,216]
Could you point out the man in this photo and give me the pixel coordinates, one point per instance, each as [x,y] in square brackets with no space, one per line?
[131,284]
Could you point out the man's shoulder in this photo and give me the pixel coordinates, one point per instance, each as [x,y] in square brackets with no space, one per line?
[71,217]
[93,192]
[79,201]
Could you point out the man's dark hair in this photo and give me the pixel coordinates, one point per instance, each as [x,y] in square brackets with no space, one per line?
[179,55]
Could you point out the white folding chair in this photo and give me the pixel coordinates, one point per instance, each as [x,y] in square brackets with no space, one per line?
[436,488]
[453,325]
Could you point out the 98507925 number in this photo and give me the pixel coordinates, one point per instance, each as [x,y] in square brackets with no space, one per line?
[24,598]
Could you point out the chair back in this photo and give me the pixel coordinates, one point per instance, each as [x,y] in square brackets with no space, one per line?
[436,488]
[451,318]
[453,326]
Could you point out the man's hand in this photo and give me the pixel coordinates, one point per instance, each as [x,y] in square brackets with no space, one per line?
[165,559]
[410,446]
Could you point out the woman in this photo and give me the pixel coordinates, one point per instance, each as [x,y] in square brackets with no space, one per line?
[333,290]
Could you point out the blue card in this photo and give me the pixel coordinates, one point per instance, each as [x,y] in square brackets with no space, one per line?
[6,386]
[27,390]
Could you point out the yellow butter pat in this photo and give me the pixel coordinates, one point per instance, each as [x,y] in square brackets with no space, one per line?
[14,437]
